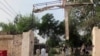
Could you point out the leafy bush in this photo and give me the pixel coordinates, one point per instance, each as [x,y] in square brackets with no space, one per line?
[52,52]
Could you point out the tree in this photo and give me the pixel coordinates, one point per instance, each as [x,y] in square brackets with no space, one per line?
[92,19]
[21,24]
[83,19]
[53,41]
[48,24]
[9,28]
[25,23]
[52,29]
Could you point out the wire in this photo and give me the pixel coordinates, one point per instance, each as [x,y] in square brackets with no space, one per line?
[5,11]
[6,7]
[9,6]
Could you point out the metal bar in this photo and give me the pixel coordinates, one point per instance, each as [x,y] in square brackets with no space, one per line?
[46,3]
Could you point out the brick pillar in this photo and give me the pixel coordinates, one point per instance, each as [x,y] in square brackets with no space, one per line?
[67,10]
[96,41]
[27,44]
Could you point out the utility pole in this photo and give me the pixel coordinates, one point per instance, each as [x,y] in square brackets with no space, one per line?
[67,5]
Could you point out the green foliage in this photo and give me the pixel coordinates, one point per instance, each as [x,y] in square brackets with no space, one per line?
[53,41]
[78,17]
[87,41]
[24,23]
[52,52]
[9,28]
[88,18]
[49,27]
[21,24]
[61,28]
[74,40]
[74,21]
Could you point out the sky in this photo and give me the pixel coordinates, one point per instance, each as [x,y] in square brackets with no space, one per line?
[10,8]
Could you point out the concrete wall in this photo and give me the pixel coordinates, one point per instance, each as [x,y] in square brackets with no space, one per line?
[5,43]
[31,43]
[96,41]
[17,45]
[11,44]
[27,44]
